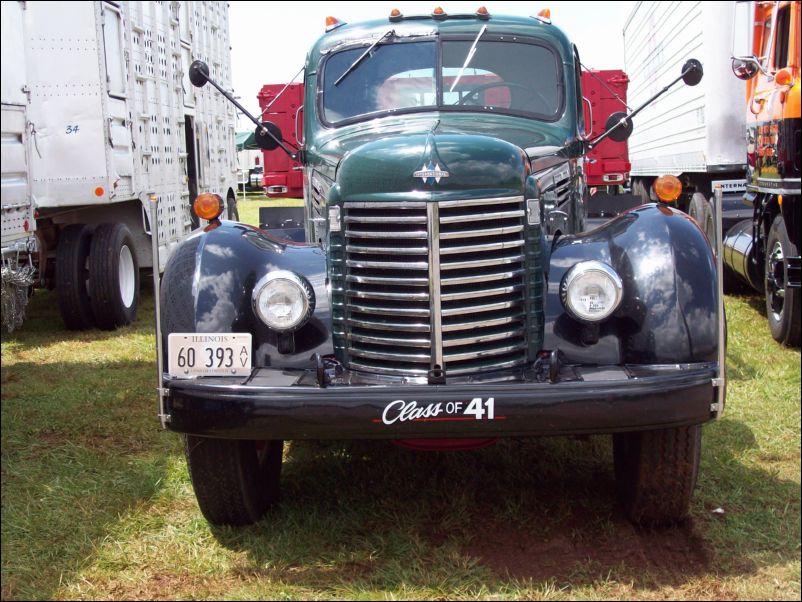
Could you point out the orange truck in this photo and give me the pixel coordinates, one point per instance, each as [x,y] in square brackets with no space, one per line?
[764,249]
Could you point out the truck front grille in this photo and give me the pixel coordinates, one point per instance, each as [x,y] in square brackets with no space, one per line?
[432,285]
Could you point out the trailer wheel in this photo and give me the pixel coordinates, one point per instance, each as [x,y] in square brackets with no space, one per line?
[697,209]
[235,481]
[72,276]
[782,301]
[113,276]
[655,473]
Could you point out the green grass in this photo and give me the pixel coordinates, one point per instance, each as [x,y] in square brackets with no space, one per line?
[97,504]
[248,206]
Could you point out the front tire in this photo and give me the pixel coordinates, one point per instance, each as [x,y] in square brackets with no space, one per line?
[655,473]
[782,301]
[113,276]
[235,481]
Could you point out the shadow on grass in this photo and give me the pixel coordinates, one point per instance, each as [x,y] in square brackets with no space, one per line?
[80,449]
[368,516]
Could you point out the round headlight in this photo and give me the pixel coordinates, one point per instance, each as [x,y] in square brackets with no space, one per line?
[283,300]
[591,291]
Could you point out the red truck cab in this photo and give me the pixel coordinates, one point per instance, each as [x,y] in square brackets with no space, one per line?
[283,105]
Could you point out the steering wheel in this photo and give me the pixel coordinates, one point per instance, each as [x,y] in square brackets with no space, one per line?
[532,92]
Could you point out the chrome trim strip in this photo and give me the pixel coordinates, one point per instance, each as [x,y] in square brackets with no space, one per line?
[417,358]
[389,311]
[471,309]
[474,324]
[481,232]
[381,205]
[490,246]
[368,234]
[481,278]
[385,280]
[478,263]
[499,365]
[484,338]
[390,296]
[356,365]
[419,327]
[433,216]
[383,219]
[455,357]
[425,343]
[481,217]
[391,250]
[486,292]
[388,265]
[474,202]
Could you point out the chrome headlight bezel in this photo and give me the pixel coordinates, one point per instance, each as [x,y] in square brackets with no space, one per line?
[298,284]
[573,278]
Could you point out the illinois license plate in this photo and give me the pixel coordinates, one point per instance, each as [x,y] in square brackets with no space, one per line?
[209,354]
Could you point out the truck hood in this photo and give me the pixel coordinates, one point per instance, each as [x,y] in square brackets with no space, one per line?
[428,165]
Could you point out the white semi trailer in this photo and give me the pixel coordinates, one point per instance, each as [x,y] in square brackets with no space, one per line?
[695,133]
[98,116]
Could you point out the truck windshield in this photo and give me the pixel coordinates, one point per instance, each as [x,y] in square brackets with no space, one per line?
[516,78]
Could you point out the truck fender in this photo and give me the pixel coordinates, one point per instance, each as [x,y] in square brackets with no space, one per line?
[208,284]
[668,312]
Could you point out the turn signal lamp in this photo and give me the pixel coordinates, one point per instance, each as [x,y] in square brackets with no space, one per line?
[395,15]
[784,78]
[333,23]
[667,188]
[208,206]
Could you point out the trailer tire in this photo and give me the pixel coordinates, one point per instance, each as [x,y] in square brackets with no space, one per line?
[235,481]
[113,276]
[74,244]
[782,301]
[698,210]
[655,473]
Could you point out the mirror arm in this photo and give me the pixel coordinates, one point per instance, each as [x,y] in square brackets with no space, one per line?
[263,130]
[603,135]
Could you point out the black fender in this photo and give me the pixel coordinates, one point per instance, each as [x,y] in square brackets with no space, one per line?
[668,313]
[208,283]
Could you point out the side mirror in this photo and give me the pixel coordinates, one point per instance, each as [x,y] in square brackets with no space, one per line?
[623,126]
[745,67]
[692,72]
[264,141]
[198,73]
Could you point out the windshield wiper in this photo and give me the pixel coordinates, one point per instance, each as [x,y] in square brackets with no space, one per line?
[363,55]
[468,58]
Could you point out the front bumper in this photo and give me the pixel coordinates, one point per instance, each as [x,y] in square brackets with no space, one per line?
[275,404]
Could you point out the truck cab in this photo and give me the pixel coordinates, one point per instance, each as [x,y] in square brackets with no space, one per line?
[444,294]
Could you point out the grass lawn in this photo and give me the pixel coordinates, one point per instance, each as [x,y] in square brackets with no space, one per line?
[97,504]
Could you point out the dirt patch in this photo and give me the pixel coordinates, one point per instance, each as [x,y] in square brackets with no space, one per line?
[578,553]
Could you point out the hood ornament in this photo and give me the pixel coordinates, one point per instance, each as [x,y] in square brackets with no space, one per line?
[430,173]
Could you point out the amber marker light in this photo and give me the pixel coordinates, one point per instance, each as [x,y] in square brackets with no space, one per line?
[395,15]
[208,206]
[667,188]
[784,78]
[99,191]
[545,14]
[482,12]
[333,23]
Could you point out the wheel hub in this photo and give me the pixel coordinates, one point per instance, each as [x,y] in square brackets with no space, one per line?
[775,280]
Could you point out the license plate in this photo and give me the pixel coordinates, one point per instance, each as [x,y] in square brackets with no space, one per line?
[207,354]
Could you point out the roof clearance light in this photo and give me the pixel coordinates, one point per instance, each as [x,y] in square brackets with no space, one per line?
[545,15]
[439,13]
[208,206]
[395,15]
[333,23]
[667,188]
[482,12]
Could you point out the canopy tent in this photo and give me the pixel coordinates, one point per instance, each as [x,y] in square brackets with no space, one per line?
[245,141]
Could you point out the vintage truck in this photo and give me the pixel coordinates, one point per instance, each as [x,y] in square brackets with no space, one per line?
[443,295]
